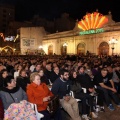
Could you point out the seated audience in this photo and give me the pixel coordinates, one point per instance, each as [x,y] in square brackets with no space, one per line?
[104,82]
[55,74]
[48,70]
[16,73]
[78,93]
[115,77]
[39,94]
[23,80]
[3,75]
[61,87]
[11,93]
[43,78]
[85,81]
[37,67]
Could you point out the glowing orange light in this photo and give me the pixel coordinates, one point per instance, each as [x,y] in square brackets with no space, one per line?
[1,34]
[92,21]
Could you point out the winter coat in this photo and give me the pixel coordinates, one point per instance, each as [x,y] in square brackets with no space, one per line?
[36,93]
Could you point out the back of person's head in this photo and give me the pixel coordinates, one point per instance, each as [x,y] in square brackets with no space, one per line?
[7,80]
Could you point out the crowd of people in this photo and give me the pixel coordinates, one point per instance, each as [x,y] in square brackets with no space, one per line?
[37,79]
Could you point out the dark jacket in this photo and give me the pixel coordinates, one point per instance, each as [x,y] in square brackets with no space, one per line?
[22,82]
[47,73]
[44,80]
[85,81]
[75,85]
[1,82]
[53,77]
[61,87]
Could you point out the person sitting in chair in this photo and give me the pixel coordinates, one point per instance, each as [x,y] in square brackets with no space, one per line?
[61,87]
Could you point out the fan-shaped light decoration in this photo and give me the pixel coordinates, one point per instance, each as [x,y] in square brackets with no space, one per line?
[92,21]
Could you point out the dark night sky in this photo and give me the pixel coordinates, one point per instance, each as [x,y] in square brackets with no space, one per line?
[50,9]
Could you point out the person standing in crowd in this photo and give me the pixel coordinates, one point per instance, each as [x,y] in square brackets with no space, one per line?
[11,93]
[61,87]
[104,82]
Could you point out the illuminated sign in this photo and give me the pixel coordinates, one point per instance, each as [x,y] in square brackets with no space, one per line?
[92,21]
[9,38]
[91,31]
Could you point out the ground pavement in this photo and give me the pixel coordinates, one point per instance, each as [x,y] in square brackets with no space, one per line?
[107,115]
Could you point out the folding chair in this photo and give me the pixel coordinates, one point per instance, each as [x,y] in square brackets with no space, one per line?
[39,115]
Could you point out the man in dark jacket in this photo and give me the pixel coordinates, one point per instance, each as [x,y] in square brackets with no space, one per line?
[55,74]
[48,70]
[61,87]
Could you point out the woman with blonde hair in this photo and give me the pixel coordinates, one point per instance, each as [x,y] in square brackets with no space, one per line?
[39,94]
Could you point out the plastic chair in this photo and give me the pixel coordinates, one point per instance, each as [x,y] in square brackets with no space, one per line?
[39,115]
[72,94]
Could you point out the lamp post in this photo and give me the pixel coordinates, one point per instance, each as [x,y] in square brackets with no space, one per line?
[113,42]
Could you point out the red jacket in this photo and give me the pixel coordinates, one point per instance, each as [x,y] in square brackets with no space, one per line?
[36,94]
[1,110]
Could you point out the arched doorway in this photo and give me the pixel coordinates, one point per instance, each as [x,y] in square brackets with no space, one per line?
[104,48]
[81,49]
[64,49]
[50,50]
[7,50]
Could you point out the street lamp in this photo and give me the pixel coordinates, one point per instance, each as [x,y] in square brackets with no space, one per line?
[113,42]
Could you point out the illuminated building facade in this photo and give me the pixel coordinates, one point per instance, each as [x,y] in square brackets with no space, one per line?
[91,34]
[95,33]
